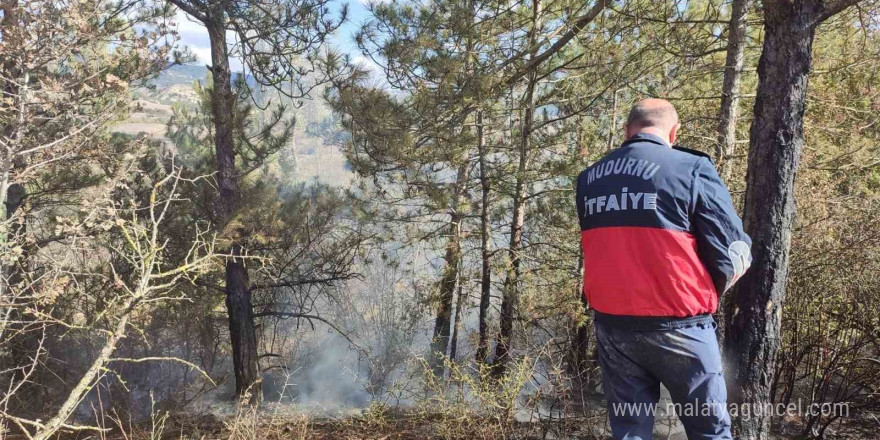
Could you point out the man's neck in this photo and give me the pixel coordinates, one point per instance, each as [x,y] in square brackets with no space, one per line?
[655,132]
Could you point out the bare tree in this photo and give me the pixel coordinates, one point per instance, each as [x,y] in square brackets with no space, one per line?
[151,281]
[64,75]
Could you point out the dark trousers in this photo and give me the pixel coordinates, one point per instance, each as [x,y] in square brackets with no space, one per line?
[685,360]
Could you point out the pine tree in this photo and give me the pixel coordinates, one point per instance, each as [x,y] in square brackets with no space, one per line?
[776,142]
[271,33]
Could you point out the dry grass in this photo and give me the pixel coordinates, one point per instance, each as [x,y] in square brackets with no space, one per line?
[387,425]
[465,405]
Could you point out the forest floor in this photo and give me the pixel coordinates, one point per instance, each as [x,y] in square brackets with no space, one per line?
[379,422]
[397,426]
[420,427]
[413,425]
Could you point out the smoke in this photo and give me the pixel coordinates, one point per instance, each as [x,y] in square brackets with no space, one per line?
[387,324]
[330,377]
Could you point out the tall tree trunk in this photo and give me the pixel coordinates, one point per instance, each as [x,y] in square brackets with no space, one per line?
[580,344]
[238,295]
[485,254]
[451,276]
[729,111]
[442,323]
[776,141]
[460,303]
[510,287]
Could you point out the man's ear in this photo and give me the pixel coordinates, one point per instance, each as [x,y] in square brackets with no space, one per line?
[673,133]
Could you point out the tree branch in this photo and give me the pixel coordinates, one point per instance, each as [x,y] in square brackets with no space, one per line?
[190,10]
[165,359]
[579,25]
[309,317]
[296,283]
[832,8]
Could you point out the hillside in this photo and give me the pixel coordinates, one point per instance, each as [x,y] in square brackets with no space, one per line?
[314,159]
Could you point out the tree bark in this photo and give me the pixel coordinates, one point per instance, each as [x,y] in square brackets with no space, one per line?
[729,111]
[776,140]
[238,295]
[485,254]
[580,344]
[442,323]
[460,303]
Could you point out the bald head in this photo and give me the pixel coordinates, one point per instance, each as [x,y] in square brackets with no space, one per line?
[653,116]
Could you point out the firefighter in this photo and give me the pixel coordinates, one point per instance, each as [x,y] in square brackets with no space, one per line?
[662,242]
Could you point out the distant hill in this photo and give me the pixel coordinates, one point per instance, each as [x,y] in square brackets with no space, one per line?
[308,155]
[173,86]
[182,74]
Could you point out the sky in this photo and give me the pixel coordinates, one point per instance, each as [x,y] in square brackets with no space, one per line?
[195,36]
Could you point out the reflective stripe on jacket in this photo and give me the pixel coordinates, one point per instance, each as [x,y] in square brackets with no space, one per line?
[659,232]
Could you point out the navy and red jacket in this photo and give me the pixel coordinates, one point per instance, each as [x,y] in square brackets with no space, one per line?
[660,235]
